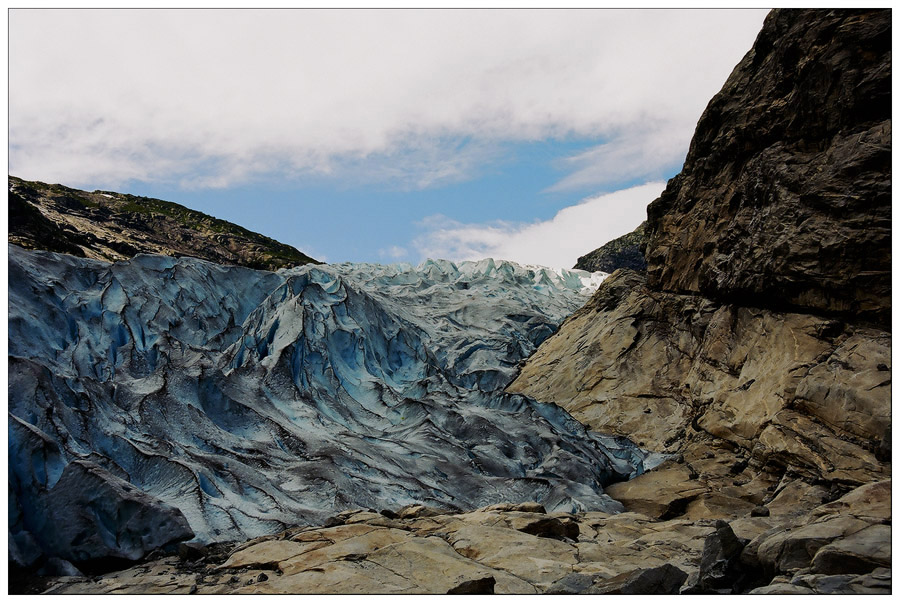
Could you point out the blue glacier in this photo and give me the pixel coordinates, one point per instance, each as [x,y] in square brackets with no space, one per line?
[163,399]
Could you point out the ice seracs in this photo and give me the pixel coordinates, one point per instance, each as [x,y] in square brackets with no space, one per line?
[234,402]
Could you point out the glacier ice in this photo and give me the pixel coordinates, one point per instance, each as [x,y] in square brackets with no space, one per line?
[160,399]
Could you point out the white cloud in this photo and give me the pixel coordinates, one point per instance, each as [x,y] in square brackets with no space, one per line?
[393,253]
[646,154]
[214,98]
[558,242]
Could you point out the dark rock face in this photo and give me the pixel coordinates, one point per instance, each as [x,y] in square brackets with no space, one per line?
[481,586]
[663,580]
[624,252]
[719,561]
[785,196]
[112,226]
[104,520]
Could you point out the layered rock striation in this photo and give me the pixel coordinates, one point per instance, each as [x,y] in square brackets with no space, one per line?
[757,347]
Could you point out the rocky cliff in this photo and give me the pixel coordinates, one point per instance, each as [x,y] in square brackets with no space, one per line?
[623,252]
[784,201]
[112,226]
[757,347]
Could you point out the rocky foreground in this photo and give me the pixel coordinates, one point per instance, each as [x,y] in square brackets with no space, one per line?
[844,548]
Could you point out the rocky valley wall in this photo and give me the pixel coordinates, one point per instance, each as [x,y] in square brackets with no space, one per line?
[757,347]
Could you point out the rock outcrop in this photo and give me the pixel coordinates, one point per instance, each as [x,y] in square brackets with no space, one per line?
[784,201]
[757,349]
[793,393]
[112,226]
[365,552]
[623,252]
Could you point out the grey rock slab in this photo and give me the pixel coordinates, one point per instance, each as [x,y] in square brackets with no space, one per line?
[720,557]
[573,584]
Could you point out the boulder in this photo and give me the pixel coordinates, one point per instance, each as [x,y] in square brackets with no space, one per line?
[525,507]
[416,511]
[573,584]
[720,561]
[662,580]
[793,549]
[851,530]
[859,553]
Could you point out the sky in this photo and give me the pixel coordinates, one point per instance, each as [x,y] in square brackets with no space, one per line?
[375,135]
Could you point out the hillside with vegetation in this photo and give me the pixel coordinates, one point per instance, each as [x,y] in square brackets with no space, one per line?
[111,226]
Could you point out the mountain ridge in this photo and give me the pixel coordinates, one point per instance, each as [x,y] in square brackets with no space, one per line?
[622,252]
[114,226]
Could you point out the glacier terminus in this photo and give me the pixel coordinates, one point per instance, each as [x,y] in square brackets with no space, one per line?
[160,399]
